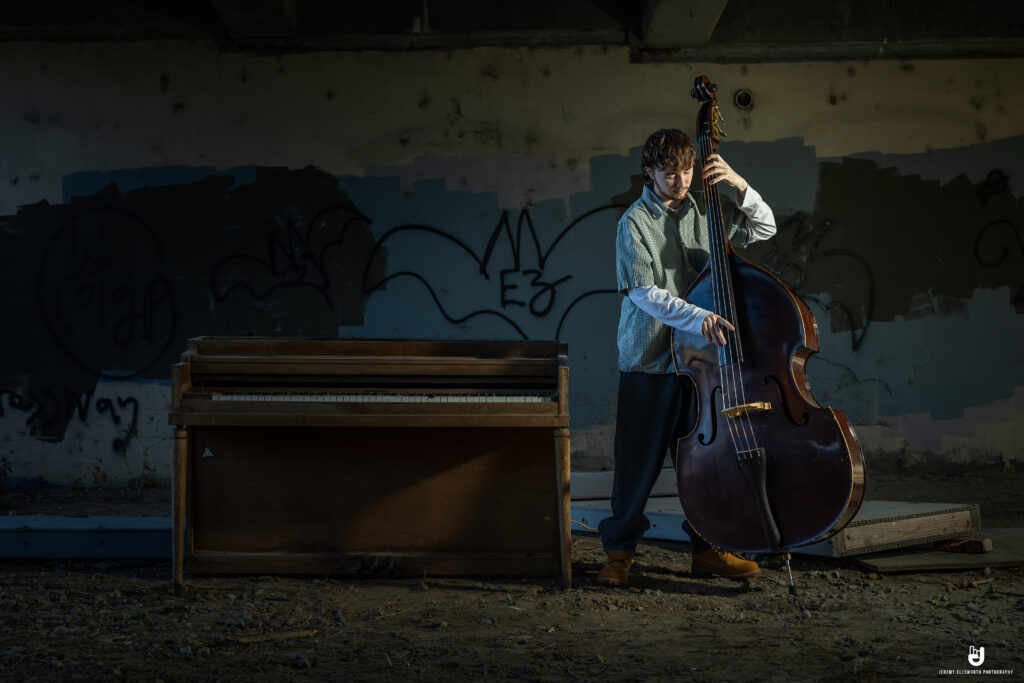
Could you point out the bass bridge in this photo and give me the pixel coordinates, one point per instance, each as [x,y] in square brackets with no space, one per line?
[741,410]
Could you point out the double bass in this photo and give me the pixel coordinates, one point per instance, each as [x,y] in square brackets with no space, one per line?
[766,468]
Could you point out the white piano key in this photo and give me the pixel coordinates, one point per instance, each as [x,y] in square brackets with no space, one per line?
[323,397]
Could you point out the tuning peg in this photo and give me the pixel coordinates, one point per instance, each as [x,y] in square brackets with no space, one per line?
[703,89]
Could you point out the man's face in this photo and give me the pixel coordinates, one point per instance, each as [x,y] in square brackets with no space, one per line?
[671,182]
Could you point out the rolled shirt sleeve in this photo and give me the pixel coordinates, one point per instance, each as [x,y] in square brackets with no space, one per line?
[755,217]
[669,310]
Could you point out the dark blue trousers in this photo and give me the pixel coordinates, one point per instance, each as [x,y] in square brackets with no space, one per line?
[654,411]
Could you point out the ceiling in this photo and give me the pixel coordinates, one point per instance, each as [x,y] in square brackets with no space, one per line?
[655,30]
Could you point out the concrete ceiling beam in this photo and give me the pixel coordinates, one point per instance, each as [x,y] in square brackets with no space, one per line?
[244,19]
[680,23]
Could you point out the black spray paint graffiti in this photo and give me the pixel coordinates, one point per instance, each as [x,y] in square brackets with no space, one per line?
[997,233]
[790,269]
[1002,230]
[518,287]
[995,182]
[101,294]
[295,257]
[45,407]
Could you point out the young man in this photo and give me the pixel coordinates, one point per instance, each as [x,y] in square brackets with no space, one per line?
[661,247]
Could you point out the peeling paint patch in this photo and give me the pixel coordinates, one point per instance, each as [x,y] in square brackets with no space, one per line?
[927,365]
[908,235]
[511,179]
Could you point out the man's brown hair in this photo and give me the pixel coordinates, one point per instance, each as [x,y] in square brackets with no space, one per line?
[665,147]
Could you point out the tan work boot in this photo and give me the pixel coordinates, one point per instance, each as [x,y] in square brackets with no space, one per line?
[616,571]
[715,561]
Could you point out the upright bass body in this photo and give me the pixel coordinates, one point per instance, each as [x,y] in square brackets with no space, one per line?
[810,460]
[766,468]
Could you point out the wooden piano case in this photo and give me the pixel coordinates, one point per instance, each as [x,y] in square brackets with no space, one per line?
[380,458]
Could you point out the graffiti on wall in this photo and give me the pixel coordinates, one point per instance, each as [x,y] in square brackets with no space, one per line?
[797,247]
[100,281]
[995,182]
[522,283]
[999,241]
[49,409]
[109,290]
[296,256]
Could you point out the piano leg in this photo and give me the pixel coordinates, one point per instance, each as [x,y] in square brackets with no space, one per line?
[564,523]
[178,484]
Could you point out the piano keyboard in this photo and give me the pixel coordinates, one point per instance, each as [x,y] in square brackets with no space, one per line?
[384,398]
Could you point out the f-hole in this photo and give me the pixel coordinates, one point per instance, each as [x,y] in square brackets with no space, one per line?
[711,408]
[804,417]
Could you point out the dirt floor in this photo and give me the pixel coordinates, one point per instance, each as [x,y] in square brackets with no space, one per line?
[109,621]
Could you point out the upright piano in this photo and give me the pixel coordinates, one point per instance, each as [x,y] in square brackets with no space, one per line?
[360,457]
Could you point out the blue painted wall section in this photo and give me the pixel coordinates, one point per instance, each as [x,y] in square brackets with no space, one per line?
[912,264]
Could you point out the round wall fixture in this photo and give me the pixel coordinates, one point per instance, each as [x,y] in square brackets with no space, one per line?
[743,99]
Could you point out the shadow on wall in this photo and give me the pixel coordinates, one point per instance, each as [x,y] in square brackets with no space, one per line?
[124,272]
[123,278]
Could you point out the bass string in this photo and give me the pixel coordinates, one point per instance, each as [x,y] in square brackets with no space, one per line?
[745,421]
[720,298]
[730,356]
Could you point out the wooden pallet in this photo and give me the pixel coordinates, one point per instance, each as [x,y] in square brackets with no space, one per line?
[885,525]
[1007,551]
[879,525]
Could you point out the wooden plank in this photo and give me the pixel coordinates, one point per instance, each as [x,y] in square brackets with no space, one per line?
[1007,551]
[562,482]
[882,525]
[381,564]
[180,383]
[287,391]
[386,409]
[322,415]
[879,535]
[528,385]
[373,347]
[563,389]
[179,483]
[385,366]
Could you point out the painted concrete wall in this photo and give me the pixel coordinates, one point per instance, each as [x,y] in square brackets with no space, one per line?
[152,192]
